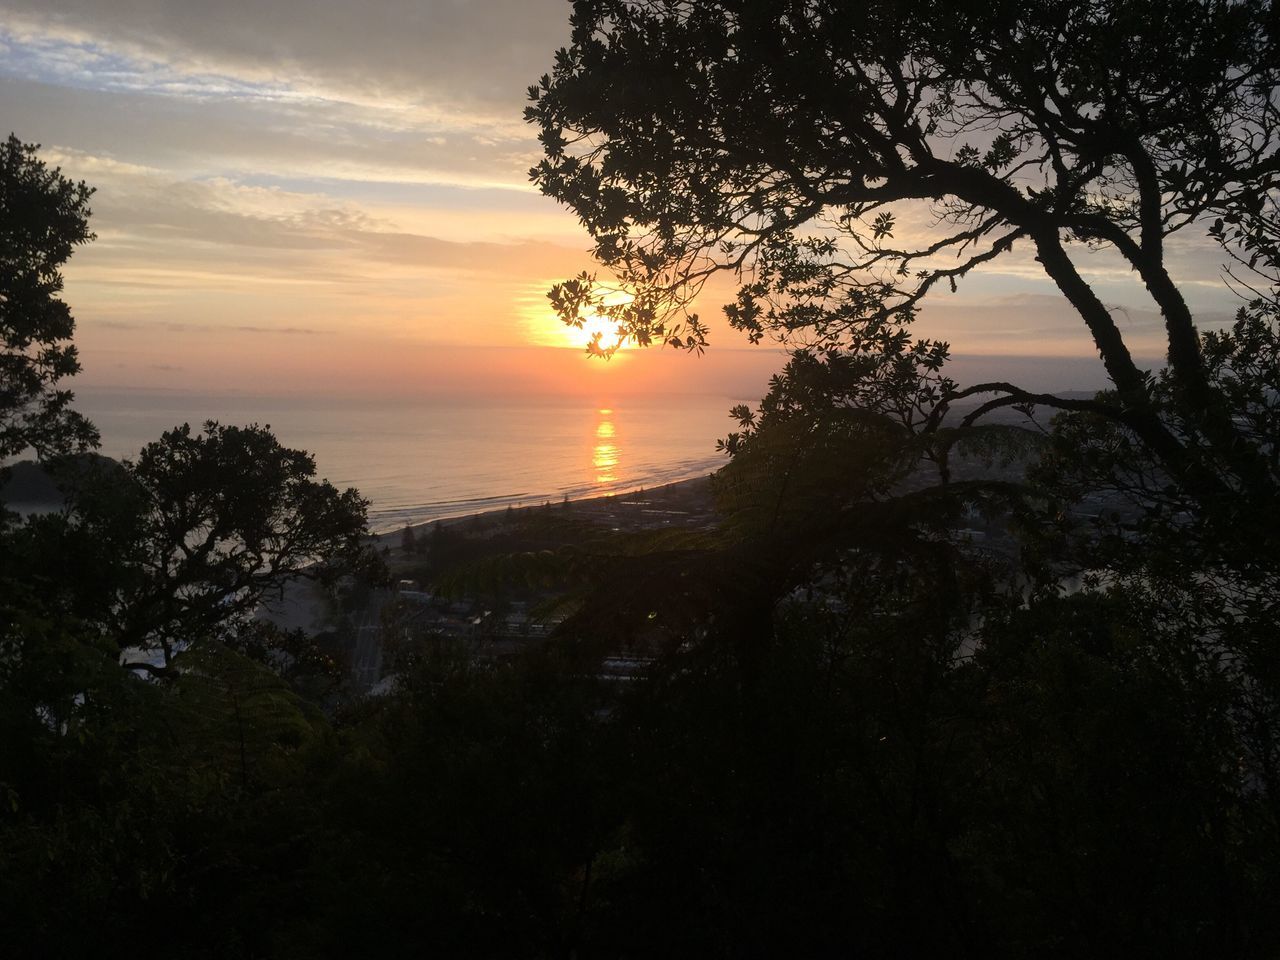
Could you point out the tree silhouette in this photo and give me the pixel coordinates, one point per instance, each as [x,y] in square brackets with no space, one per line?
[992,732]
[778,142]
[43,218]
[196,533]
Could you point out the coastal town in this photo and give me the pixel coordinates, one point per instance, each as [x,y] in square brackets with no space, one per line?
[433,595]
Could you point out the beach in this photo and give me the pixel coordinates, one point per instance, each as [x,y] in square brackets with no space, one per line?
[685,501]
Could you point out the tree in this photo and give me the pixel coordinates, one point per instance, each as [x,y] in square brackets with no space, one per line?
[127,806]
[43,218]
[1209,567]
[1046,737]
[779,143]
[774,141]
[186,542]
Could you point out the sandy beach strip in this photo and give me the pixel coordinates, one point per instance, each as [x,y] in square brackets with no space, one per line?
[692,494]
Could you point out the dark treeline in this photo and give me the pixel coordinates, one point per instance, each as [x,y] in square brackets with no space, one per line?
[934,683]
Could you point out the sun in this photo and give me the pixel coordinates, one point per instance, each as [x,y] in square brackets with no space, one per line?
[545,328]
[599,330]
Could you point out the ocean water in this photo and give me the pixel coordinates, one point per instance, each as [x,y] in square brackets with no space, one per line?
[421,459]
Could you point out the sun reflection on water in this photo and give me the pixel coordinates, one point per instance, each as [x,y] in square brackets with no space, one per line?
[604,454]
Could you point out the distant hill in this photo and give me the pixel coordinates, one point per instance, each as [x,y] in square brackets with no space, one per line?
[30,484]
[35,486]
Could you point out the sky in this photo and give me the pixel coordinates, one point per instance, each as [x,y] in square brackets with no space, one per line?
[331,195]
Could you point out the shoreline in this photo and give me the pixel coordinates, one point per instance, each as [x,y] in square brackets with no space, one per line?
[691,488]
[677,501]
[385,519]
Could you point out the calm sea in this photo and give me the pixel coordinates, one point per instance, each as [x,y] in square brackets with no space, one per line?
[418,460]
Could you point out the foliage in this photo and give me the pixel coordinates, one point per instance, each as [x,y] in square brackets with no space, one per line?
[43,218]
[1207,569]
[774,142]
[186,542]
[128,806]
[1066,742]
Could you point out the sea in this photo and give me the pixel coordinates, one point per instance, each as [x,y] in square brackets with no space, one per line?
[422,459]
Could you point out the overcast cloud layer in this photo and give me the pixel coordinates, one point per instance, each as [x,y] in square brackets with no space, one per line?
[456,56]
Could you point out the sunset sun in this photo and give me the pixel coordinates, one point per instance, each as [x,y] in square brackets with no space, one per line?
[545,328]
[600,330]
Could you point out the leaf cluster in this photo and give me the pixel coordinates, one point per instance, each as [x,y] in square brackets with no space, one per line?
[43,218]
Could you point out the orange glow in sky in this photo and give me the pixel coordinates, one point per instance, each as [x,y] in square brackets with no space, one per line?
[543,327]
[360,219]
[602,331]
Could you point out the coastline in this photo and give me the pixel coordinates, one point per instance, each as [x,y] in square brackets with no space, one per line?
[688,501]
[690,495]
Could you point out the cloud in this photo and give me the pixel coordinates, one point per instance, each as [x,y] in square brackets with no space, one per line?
[217,258]
[151,221]
[231,138]
[171,326]
[455,56]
